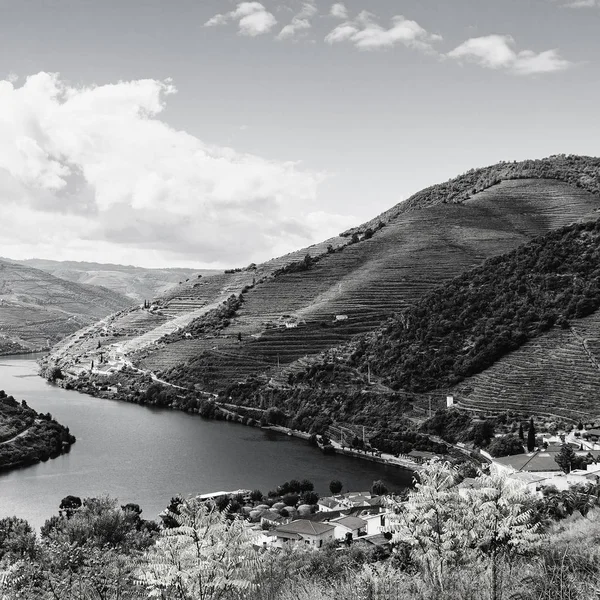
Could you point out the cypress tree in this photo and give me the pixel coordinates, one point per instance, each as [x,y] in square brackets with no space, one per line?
[521,432]
[531,436]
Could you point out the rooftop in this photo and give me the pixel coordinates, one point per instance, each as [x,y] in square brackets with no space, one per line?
[350,522]
[304,527]
[534,462]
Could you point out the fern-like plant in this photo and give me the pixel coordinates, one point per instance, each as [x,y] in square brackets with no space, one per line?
[206,557]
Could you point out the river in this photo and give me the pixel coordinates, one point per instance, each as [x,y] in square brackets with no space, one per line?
[147,455]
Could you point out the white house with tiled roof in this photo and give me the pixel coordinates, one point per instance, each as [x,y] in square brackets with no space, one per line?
[355,526]
[302,531]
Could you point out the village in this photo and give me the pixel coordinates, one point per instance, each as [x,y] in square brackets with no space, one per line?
[363,517]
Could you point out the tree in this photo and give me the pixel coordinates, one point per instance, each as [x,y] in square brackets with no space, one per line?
[309,497]
[521,432]
[68,505]
[379,488]
[207,557]
[531,436]
[506,445]
[335,486]
[580,425]
[54,374]
[306,485]
[565,458]
[445,529]
[427,523]
[483,432]
[500,521]
[17,539]
[256,495]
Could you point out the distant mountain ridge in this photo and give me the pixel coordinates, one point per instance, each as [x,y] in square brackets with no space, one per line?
[137,283]
[37,309]
[293,308]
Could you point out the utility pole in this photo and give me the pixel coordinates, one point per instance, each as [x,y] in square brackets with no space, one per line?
[369,372]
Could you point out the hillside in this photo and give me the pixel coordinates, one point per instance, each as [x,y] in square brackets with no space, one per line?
[297,306]
[520,333]
[136,283]
[37,310]
[27,437]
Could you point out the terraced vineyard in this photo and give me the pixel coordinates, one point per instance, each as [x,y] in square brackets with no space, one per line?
[290,313]
[556,374]
[369,281]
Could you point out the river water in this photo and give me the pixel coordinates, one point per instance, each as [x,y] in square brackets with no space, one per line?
[147,455]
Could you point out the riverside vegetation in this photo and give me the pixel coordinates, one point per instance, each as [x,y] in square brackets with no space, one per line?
[28,437]
[490,541]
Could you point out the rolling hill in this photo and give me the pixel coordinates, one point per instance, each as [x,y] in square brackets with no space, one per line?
[290,309]
[37,309]
[136,283]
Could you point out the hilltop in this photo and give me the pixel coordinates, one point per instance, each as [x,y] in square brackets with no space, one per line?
[137,283]
[37,309]
[271,321]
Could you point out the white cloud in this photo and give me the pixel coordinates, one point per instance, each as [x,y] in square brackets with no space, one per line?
[252,17]
[93,173]
[300,22]
[582,4]
[498,52]
[365,34]
[339,11]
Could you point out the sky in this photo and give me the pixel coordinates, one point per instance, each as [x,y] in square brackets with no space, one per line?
[204,133]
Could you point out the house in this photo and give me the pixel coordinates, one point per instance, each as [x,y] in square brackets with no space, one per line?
[379,540]
[420,456]
[348,527]
[272,518]
[329,504]
[302,531]
[376,522]
[589,475]
[592,434]
[341,317]
[291,325]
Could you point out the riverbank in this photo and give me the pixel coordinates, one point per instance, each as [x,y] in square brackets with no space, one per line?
[381,457]
[134,386]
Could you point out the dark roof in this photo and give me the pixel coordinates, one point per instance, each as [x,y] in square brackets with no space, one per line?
[322,516]
[422,454]
[538,461]
[272,515]
[350,522]
[328,502]
[305,527]
[377,539]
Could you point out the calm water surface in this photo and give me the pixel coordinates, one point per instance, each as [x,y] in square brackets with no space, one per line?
[145,455]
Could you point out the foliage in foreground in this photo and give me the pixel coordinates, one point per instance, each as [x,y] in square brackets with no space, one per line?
[485,542]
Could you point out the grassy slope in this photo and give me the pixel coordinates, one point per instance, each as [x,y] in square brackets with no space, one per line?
[36,307]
